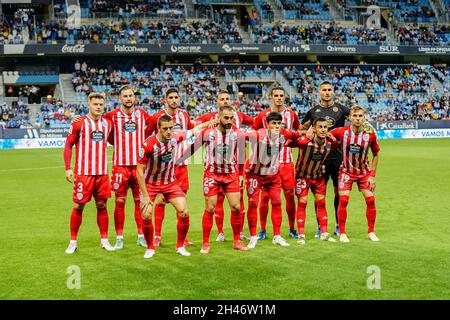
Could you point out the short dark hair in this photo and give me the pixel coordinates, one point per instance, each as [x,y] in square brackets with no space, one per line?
[164,118]
[274,116]
[223,108]
[277,88]
[171,90]
[321,119]
[324,83]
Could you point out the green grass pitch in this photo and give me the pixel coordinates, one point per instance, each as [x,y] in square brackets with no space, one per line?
[413,191]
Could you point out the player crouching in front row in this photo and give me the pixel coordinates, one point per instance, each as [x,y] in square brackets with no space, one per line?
[156,175]
[355,142]
[90,135]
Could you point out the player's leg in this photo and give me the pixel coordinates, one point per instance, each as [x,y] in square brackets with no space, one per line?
[274,189]
[287,175]
[234,202]
[371,213]
[253,195]
[181,209]
[319,199]
[334,174]
[119,183]
[147,225]
[242,211]
[210,192]
[138,216]
[182,176]
[301,191]
[345,186]
[263,213]
[219,216]
[160,213]
[102,193]
[75,221]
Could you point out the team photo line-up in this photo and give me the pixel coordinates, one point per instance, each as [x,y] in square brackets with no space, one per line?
[151,154]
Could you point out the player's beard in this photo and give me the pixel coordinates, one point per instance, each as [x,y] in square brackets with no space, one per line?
[128,106]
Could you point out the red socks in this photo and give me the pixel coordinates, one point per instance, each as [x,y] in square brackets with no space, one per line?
[119,217]
[263,210]
[103,222]
[219,213]
[342,213]
[277,217]
[207,223]
[182,230]
[236,224]
[322,215]
[75,222]
[242,209]
[371,213]
[252,213]
[138,216]
[160,212]
[301,217]
[147,228]
[290,208]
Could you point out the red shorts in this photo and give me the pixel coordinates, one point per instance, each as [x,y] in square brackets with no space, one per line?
[346,181]
[168,191]
[256,183]
[317,186]
[182,176]
[85,187]
[122,178]
[287,175]
[226,182]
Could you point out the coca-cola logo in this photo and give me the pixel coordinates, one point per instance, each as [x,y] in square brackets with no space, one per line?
[79,48]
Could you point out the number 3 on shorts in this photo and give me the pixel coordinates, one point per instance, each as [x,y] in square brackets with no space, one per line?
[79,187]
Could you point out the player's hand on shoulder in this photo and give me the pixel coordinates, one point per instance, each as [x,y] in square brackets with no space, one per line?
[69,175]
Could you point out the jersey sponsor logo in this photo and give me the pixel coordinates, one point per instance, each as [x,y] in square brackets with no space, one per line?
[79,196]
[354,149]
[166,157]
[317,157]
[177,127]
[97,136]
[222,149]
[129,126]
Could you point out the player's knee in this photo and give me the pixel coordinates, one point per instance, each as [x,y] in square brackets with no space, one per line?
[120,202]
[288,194]
[320,202]
[100,205]
[370,201]
[235,207]
[78,206]
[303,200]
[275,199]
[184,213]
[343,200]
[210,207]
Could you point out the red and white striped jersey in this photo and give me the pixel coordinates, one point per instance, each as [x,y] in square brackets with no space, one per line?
[265,157]
[240,119]
[290,122]
[311,156]
[129,134]
[159,158]
[91,139]
[221,151]
[182,122]
[355,149]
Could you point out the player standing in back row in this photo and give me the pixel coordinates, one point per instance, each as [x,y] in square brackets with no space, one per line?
[286,170]
[90,135]
[336,114]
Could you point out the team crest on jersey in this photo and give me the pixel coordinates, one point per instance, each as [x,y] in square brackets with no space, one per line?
[156,149]
[173,142]
[177,127]
[330,121]
[141,152]
[212,137]
[318,110]
[366,137]
[97,136]
[335,109]
[79,196]
[282,139]
[130,126]
[137,113]
[104,123]
[116,186]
